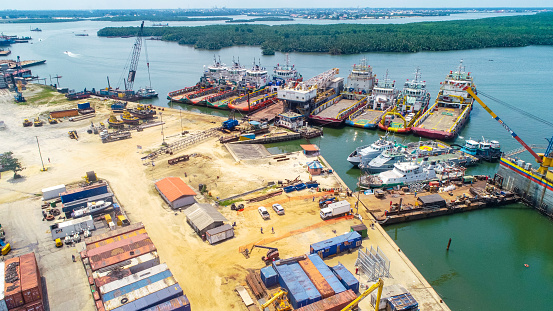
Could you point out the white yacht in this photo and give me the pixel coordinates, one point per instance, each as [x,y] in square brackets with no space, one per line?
[91,208]
[403,173]
[366,153]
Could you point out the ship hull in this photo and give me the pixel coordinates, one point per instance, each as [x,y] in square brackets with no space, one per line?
[370,126]
[326,121]
[399,130]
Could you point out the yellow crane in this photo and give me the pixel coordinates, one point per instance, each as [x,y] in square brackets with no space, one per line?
[379,284]
[281,301]
[545,160]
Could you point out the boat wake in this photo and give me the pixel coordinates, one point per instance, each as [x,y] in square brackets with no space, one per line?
[71,54]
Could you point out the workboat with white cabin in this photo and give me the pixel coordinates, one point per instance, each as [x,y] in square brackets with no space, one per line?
[369,152]
[404,173]
[91,209]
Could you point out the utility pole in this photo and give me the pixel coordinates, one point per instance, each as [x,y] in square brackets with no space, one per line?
[40,153]
[162,134]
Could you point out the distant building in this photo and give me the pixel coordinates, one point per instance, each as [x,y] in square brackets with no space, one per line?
[315,168]
[203,217]
[175,192]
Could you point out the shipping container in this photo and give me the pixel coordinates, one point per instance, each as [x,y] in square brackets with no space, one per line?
[177,304]
[361,229]
[327,274]
[64,113]
[122,257]
[31,284]
[403,302]
[3,306]
[154,299]
[123,269]
[133,278]
[336,245]
[333,303]
[137,285]
[304,281]
[269,276]
[84,192]
[52,192]
[286,279]
[139,293]
[219,234]
[69,207]
[111,234]
[12,286]
[346,277]
[70,227]
[316,277]
[83,105]
[35,306]
[115,239]
[387,292]
[107,250]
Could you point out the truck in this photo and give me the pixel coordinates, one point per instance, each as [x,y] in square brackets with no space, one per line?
[335,209]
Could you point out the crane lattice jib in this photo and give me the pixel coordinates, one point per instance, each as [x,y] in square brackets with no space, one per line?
[135,57]
[322,79]
[496,117]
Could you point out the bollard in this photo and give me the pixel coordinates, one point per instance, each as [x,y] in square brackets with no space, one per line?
[448,244]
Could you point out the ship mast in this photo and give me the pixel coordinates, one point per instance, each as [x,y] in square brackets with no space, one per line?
[134,59]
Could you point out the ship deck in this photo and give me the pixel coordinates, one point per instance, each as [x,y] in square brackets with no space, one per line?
[244,104]
[268,113]
[226,100]
[200,98]
[369,116]
[334,110]
[441,120]
[181,96]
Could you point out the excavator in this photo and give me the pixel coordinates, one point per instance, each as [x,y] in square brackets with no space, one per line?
[272,253]
[378,285]
[545,160]
[280,301]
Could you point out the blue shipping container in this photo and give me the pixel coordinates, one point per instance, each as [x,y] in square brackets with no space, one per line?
[300,186]
[153,299]
[296,294]
[85,193]
[329,276]
[178,304]
[336,245]
[269,276]
[289,189]
[83,105]
[346,277]
[136,285]
[305,282]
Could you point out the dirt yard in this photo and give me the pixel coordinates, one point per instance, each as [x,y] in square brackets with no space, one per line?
[207,273]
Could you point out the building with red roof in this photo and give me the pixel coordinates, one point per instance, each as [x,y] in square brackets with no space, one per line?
[175,192]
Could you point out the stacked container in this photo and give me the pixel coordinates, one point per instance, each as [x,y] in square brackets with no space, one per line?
[327,274]
[346,277]
[31,284]
[21,284]
[333,303]
[269,276]
[317,278]
[287,280]
[12,284]
[3,306]
[177,304]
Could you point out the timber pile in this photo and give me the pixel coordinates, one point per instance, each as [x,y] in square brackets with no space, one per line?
[256,285]
[264,197]
[178,159]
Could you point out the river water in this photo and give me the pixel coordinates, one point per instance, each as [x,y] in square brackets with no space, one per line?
[484,269]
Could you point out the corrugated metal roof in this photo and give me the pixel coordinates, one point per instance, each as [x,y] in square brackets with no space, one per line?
[203,215]
[310,147]
[219,229]
[174,188]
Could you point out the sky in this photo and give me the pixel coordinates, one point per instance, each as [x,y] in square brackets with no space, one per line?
[192,4]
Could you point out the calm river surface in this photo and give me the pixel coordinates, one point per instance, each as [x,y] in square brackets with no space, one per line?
[484,269]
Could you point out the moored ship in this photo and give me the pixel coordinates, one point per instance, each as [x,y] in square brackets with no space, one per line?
[451,110]
[253,101]
[285,73]
[129,119]
[383,97]
[412,103]
[142,111]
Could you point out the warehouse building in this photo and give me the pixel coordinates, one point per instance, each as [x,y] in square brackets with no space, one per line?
[175,192]
[203,217]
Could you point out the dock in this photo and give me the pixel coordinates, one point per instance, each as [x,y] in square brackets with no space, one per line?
[23,64]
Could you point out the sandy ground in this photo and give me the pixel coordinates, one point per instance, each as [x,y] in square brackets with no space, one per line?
[207,273]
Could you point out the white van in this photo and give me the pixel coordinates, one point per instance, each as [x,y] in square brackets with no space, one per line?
[263,212]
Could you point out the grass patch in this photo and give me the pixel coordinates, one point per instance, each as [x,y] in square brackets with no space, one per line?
[229,202]
[45,95]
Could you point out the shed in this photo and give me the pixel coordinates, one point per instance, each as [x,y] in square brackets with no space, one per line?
[219,234]
[310,150]
[175,192]
[361,229]
[315,167]
[432,201]
[336,245]
[203,217]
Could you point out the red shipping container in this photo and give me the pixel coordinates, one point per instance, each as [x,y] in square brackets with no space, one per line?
[31,285]
[35,306]
[90,280]
[333,303]
[96,296]
[122,257]
[99,304]
[317,278]
[101,281]
[114,239]
[12,287]
[109,234]
[99,251]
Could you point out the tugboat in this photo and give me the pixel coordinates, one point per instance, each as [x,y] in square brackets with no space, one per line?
[114,122]
[451,111]
[146,92]
[285,73]
[142,111]
[129,119]
[412,103]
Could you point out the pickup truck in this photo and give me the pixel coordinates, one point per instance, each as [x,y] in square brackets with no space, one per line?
[335,209]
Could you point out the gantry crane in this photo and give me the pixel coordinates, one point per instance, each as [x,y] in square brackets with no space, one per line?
[280,300]
[379,284]
[545,160]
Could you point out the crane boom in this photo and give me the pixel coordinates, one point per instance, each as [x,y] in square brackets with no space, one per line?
[496,117]
[379,284]
[134,58]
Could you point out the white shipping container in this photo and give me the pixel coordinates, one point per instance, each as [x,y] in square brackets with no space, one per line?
[136,264]
[132,278]
[71,227]
[52,192]
[219,234]
[139,293]
[3,306]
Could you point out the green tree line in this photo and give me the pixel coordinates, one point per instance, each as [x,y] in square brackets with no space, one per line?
[513,31]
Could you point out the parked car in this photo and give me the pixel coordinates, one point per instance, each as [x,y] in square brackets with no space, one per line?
[278,209]
[263,212]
